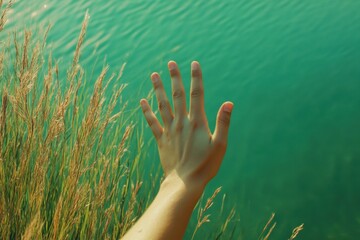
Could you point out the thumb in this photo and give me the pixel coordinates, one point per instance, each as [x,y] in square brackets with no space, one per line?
[222,123]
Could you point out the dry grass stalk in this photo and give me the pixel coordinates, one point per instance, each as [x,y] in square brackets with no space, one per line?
[4,13]
[4,104]
[33,230]
[62,165]
[266,227]
[201,219]
[66,171]
[3,46]
[130,214]
[75,64]
[296,231]
[270,231]
[228,220]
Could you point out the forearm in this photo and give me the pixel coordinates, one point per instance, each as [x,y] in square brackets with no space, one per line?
[169,213]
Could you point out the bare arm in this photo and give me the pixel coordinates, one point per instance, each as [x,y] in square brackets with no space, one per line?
[189,153]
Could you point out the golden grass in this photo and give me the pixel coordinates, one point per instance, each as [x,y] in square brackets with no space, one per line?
[4,13]
[296,231]
[202,218]
[64,169]
[268,230]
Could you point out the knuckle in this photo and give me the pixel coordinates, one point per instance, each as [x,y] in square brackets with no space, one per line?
[197,92]
[162,105]
[157,84]
[145,110]
[150,122]
[224,120]
[178,93]
[220,144]
[174,72]
[160,143]
[149,118]
[196,73]
[194,124]
[179,126]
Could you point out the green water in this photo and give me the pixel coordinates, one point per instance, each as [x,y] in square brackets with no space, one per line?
[291,67]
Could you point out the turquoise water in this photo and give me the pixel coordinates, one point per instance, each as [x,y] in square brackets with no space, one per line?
[292,68]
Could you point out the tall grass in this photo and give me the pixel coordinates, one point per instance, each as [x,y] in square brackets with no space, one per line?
[66,170]
[69,160]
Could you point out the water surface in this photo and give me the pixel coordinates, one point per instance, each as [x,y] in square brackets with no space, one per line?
[292,68]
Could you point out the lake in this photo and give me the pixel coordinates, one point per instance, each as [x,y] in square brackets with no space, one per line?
[292,69]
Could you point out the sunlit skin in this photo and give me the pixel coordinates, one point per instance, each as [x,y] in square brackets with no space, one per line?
[190,154]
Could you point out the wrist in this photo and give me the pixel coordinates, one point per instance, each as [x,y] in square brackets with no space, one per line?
[185,187]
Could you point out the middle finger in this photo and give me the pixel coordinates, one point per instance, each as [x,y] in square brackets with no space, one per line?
[163,102]
[178,91]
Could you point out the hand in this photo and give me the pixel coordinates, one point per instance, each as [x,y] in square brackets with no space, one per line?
[189,153]
[187,148]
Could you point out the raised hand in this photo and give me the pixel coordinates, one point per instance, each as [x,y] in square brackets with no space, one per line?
[189,153]
[187,148]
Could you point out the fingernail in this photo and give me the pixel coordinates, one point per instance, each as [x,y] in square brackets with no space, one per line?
[228,107]
[172,65]
[154,77]
[142,103]
[195,65]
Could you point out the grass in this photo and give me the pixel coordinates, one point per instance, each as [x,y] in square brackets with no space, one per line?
[66,159]
[70,161]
